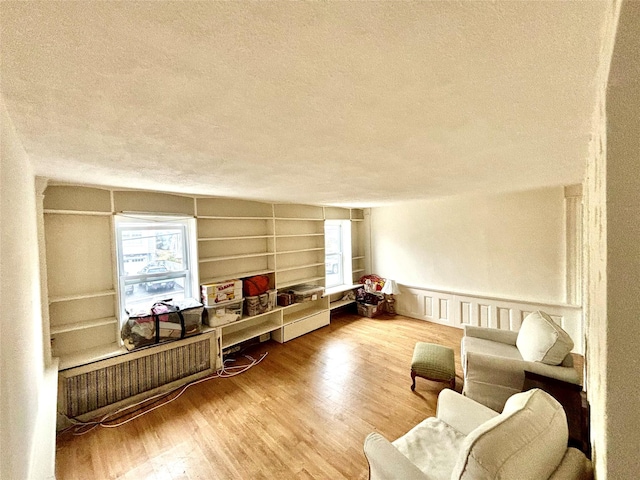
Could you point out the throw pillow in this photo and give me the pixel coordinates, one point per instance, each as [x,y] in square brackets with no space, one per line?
[540,339]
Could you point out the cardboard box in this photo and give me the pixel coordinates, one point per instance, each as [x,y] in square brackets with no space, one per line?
[213,293]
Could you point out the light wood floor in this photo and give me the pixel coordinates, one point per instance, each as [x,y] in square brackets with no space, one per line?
[303,412]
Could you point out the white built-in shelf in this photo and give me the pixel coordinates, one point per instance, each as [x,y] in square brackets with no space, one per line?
[340,303]
[234,257]
[341,288]
[300,281]
[285,235]
[300,314]
[299,267]
[250,330]
[316,249]
[359,257]
[76,212]
[301,219]
[81,296]
[82,357]
[83,325]
[217,217]
[241,237]
[236,275]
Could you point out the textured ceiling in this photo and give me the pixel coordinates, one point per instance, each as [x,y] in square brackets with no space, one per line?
[345,103]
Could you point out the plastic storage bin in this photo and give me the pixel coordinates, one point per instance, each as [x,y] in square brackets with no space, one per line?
[306,293]
[223,313]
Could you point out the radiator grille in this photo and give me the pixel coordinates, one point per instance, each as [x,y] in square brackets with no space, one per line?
[104,386]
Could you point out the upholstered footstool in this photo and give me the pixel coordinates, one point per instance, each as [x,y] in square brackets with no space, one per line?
[433,362]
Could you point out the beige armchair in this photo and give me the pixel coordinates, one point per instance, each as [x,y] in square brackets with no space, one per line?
[494,361]
[466,440]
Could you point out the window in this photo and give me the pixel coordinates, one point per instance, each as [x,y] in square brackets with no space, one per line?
[337,248]
[154,261]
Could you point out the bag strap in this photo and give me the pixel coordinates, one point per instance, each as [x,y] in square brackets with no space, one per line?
[183,328]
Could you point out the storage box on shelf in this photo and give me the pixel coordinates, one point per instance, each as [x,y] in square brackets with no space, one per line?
[265,302]
[214,293]
[305,293]
[223,313]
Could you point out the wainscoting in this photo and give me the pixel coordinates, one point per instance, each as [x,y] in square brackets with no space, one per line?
[458,309]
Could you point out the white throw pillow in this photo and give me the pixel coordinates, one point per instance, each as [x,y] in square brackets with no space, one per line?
[527,441]
[540,339]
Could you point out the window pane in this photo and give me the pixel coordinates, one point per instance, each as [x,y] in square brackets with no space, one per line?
[334,271]
[140,296]
[153,262]
[152,247]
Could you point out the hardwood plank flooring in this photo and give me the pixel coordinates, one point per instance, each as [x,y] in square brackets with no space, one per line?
[302,413]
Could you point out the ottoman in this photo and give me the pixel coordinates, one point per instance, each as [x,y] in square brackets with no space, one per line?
[433,362]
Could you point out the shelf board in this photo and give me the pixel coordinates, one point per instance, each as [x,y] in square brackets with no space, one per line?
[81,296]
[236,275]
[300,314]
[340,303]
[240,237]
[83,325]
[300,267]
[316,249]
[303,219]
[90,355]
[234,257]
[300,281]
[341,288]
[291,235]
[218,217]
[359,257]
[251,331]
[76,212]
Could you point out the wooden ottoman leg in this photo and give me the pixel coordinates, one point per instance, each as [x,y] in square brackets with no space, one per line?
[413,380]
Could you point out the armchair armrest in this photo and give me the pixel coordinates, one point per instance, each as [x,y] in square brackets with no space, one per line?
[559,372]
[495,334]
[574,466]
[386,462]
[462,413]
[492,370]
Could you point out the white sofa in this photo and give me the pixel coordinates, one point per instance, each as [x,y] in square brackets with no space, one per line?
[494,361]
[467,440]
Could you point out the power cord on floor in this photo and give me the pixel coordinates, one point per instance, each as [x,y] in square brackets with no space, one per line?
[144,406]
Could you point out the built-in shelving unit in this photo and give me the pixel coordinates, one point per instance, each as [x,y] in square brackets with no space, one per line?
[80,280]
[235,239]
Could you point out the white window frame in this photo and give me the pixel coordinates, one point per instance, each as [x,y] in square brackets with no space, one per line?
[345,252]
[125,222]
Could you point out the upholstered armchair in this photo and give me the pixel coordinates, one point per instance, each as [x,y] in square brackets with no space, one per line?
[469,441]
[494,361]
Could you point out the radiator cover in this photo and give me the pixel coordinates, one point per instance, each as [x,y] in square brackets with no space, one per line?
[106,383]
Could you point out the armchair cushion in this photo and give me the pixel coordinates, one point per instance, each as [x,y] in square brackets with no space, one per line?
[540,339]
[432,446]
[527,441]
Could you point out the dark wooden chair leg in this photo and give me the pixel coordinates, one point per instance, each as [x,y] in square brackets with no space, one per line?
[413,380]
[452,383]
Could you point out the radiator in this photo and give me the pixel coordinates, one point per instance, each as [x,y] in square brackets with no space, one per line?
[127,377]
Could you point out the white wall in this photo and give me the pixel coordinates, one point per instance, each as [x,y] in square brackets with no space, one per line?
[27,443]
[505,245]
[612,254]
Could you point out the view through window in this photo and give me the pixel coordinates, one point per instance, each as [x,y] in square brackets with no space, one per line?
[154,261]
[337,248]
